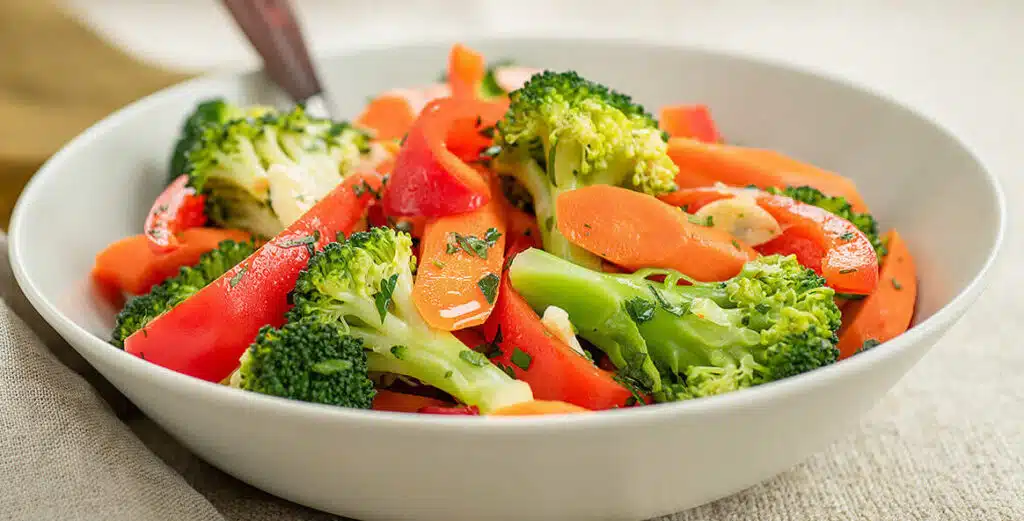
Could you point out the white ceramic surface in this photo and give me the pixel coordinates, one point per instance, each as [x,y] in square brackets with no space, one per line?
[627,464]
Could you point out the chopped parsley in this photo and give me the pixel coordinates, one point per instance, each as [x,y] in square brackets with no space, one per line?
[868,344]
[309,241]
[896,284]
[736,244]
[489,286]
[473,358]
[383,297]
[439,264]
[521,359]
[399,352]
[844,271]
[846,236]
[675,310]
[472,245]
[236,278]
[640,309]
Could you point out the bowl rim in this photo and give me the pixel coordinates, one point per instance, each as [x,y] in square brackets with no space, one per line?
[81,339]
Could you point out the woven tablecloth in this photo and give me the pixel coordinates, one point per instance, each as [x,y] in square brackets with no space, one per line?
[947,443]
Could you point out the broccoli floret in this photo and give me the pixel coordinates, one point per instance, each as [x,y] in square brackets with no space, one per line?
[864,222]
[773,320]
[563,132]
[363,286]
[309,361]
[141,310]
[214,111]
[262,172]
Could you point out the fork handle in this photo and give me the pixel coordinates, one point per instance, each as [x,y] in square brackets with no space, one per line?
[274,31]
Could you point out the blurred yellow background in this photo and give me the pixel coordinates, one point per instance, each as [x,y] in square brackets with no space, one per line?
[56,79]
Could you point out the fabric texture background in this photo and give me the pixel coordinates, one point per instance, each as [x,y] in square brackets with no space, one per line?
[947,443]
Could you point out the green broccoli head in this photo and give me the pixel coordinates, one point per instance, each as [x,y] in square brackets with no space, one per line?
[263,169]
[563,132]
[363,287]
[214,111]
[864,222]
[308,361]
[141,310]
[773,320]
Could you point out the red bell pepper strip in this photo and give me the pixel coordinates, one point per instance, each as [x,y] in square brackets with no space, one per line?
[689,121]
[428,178]
[205,335]
[178,208]
[553,369]
[386,400]
[846,260]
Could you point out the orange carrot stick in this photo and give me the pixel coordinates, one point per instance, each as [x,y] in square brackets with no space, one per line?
[129,264]
[538,408]
[460,267]
[732,165]
[887,312]
[401,402]
[689,121]
[635,230]
[466,71]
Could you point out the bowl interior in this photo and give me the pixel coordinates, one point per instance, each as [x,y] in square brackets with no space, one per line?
[100,186]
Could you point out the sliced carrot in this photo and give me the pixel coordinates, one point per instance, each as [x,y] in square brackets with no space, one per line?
[703,164]
[689,121]
[886,313]
[635,230]
[466,71]
[401,402]
[460,267]
[130,265]
[389,115]
[538,408]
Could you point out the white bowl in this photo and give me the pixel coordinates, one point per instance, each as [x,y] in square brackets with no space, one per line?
[625,464]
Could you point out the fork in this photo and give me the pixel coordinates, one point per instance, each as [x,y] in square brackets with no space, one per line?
[274,32]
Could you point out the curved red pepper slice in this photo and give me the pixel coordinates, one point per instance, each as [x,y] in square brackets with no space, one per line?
[430,177]
[206,334]
[848,262]
[175,210]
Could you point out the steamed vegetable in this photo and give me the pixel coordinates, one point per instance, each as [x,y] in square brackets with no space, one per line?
[461,256]
[634,231]
[773,320]
[428,178]
[175,210]
[363,286]
[563,132]
[888,311]
[260,173]
[689,121]
[307,361]
[704,164]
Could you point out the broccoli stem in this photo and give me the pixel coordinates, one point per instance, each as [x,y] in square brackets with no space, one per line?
[442,361]
[596,305]
[537,182]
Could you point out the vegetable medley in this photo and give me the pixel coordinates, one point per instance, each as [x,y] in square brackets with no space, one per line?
[510,241]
